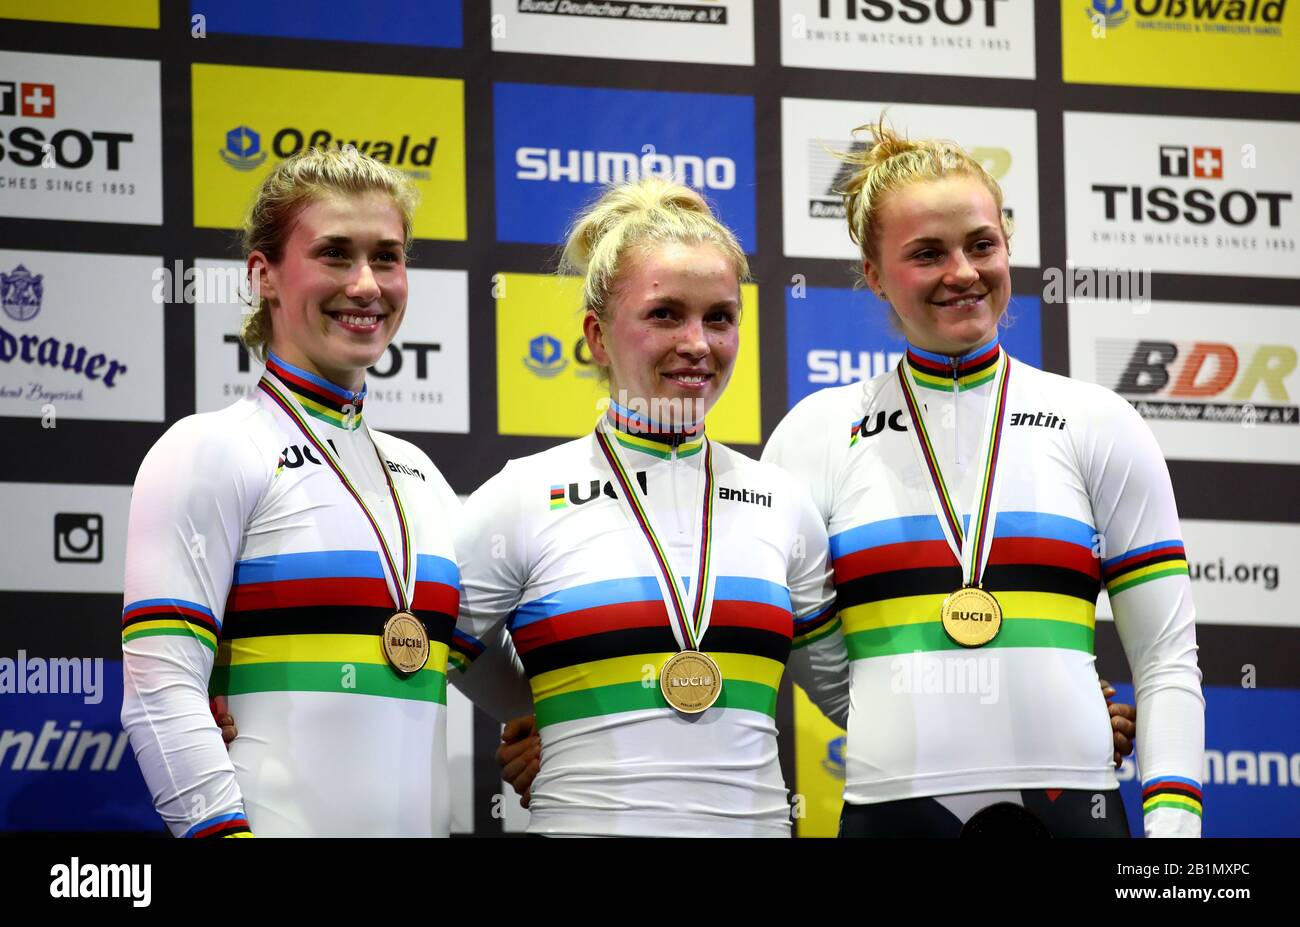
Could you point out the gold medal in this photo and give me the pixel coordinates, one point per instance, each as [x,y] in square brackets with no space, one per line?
[406,643]
[971,616]
[690,681]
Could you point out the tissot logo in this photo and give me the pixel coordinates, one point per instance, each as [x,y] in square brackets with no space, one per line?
[1204,162]
[948,12]
[1195,204]
[31,100]
[580,493]
[390,365]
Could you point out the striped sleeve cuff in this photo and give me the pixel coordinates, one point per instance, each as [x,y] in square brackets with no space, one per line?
[814,627]
[170,617]
[463,650]
[1143,564]
[1171,792]
[226,825]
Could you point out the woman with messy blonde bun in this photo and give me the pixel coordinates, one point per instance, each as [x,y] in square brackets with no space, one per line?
[975,506]
[656,582]
[295,563]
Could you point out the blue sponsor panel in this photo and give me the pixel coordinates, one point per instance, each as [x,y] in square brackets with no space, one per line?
[398,22]
[557,147]
[1251,779]
[66,763]
[836,336]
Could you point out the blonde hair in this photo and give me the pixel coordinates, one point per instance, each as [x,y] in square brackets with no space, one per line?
[296,182]
[640,214]
[889,162]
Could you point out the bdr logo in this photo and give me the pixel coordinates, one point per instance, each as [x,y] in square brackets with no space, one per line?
[557,146]
[838,336]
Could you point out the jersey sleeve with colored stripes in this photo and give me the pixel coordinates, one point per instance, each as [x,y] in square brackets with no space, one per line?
[819,661]
[193,496]
[487,671]
[492,547]
[1144,568]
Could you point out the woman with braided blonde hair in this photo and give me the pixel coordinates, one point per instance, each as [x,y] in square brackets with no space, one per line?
[970,547]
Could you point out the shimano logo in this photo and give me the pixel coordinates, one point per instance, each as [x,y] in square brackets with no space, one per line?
[610,167]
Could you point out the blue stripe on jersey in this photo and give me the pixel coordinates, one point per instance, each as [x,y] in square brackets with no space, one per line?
[926,528]
[332,388]
[320,564]
[1192,782]
[815,616]
[210,821]
[430,568]
[176,603]
[1107,564]
[642,589]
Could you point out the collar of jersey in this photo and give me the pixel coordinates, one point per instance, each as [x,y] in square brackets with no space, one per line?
[318,397]
[639,433]
[936,371]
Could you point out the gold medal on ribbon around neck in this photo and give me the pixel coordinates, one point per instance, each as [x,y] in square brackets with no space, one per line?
[971,616]
[406,643]
[690,681]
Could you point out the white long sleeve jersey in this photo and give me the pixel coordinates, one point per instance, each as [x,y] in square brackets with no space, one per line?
[252,574]
[1084,499]
[548,547]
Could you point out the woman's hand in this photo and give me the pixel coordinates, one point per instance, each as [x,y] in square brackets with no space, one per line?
[520,756]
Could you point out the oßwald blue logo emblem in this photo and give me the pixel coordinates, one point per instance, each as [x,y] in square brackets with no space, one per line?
[21,293]
[545,356]
[1111,12]
[243,149]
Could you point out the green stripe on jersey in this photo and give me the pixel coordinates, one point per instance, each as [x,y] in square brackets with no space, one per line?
[347,678]
[633,696]
[1016,632]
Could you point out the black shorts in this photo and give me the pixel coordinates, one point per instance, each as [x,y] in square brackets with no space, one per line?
[1072,813]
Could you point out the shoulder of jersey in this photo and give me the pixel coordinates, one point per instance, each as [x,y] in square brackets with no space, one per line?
[828,414]
[242,432]
[401,451]
[741,466]
[1089,401]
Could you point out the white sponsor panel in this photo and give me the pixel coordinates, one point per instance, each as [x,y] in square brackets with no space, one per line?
[1005,141]
[1177,195]
[80,337]
[80,138]
[981,38]
[1242,572]
[702,31]
[1214,381]
[62,537]
[421,384]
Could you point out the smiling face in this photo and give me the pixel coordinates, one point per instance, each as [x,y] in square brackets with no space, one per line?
[671,330]
[338,293]
[942,263]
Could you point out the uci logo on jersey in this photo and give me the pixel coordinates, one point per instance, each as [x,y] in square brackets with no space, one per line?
[295,455]
[581,493]
[869,426]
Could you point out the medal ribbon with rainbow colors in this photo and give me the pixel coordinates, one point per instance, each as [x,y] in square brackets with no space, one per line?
[971,616]
[405,639]
[690,680]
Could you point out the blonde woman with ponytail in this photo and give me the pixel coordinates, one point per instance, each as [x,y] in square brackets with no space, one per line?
[970,542]
[656,583]
[295,563]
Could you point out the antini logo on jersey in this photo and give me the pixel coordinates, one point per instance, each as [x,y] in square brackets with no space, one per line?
[744,495]
[1194,203]
[1179,381]
[581,493]
[1037,419]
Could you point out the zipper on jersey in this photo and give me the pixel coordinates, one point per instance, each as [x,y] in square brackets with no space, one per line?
[956,429]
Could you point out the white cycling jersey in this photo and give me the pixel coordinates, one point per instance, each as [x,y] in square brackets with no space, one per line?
[548,547]
[1084,501]
[252,574]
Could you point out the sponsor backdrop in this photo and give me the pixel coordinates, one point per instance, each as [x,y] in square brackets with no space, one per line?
[1146,148]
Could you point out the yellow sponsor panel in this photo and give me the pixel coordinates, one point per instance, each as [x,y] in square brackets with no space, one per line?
[138,14]
[547,385]
[1196,44]
[818,769]
[247,120]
